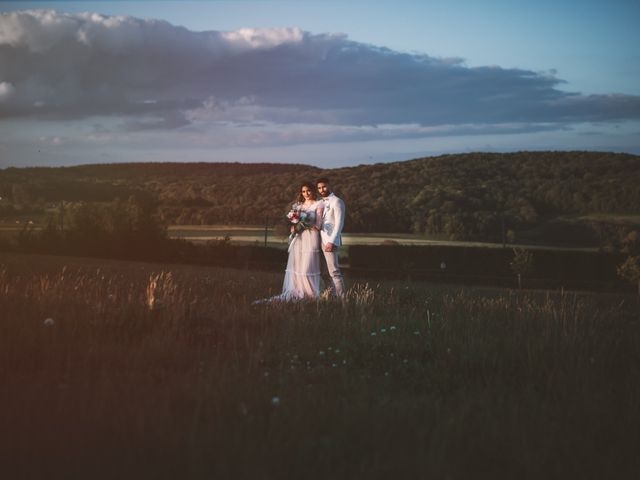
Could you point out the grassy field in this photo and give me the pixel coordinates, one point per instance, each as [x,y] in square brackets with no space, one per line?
[256,235]
[133,370]
[628,219]
[244,235]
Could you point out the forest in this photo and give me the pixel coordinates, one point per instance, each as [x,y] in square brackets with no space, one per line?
[548,197]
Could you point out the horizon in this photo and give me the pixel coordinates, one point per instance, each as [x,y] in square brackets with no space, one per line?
[306,165]
[324,84]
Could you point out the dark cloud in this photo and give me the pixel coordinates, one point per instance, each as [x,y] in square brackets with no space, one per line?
[75,66]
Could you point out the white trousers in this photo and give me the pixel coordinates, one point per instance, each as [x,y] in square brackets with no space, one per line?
[334,280]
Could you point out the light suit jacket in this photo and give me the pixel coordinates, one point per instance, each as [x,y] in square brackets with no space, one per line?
[332,220]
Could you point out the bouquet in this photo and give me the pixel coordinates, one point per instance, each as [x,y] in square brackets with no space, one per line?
[299,219]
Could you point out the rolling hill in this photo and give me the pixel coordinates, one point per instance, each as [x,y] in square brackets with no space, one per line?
[546,196]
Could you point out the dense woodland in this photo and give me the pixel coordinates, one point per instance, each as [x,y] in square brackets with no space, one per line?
[479,196]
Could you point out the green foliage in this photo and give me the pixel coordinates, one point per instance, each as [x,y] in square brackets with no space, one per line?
[522,264]
[630,270]
[476,196]
[631,243]
[123,229]
[553,268]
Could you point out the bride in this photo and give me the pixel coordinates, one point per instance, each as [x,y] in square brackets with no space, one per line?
[302,275]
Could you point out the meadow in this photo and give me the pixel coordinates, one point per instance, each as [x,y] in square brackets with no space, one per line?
[255,235]
[113,369]
[244,234]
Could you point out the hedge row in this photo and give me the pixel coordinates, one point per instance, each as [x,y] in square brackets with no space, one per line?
[229,255]
[551,268]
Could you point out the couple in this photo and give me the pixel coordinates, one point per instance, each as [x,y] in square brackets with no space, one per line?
[315,243]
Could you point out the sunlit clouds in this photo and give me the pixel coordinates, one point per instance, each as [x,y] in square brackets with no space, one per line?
[253,88]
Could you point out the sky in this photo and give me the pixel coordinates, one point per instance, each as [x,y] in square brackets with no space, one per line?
[327,83]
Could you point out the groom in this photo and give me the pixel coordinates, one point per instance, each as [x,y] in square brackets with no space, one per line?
[330,234]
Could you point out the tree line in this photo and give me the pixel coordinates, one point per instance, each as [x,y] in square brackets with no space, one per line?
[476,196]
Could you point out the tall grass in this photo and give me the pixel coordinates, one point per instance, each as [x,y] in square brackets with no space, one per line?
[155,371]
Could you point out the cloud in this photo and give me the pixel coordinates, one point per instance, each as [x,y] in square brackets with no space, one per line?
[154,75]
[233,135]
[6,91]
[51,140]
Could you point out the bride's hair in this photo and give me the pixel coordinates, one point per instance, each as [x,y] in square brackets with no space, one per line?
[311,187]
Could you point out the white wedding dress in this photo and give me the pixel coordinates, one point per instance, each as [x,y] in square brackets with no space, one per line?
[302,275]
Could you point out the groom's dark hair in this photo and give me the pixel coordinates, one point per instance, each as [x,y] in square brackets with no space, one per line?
[322,180]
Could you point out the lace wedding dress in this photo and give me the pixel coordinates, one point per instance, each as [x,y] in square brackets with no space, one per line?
[302,275]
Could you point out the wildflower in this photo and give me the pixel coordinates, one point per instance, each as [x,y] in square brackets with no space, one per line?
[383,330]
[392,327]
[48,322]
[337,350]
[321,353]
[334,365]
[373,334]
[275,401]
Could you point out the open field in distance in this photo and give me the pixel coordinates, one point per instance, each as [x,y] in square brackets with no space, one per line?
[246,234]
[256,234]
